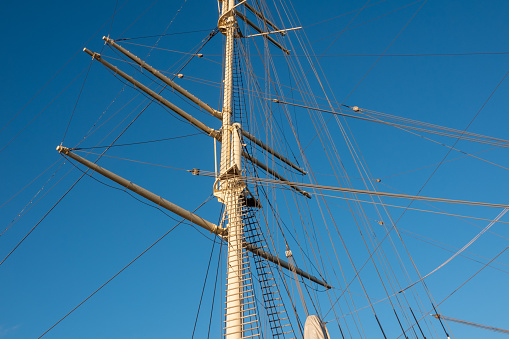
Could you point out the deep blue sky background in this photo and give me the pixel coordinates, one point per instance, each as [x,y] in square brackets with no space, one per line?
[97,230]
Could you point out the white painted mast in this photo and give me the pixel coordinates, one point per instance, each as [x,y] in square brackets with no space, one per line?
[240,312]
[231,185]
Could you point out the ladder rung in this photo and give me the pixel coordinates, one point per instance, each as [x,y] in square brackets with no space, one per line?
[271,314]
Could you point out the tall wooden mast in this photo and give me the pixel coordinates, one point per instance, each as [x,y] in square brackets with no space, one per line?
[231,186]
[240,312]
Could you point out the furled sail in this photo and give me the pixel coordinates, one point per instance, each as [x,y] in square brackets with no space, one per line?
[315,328]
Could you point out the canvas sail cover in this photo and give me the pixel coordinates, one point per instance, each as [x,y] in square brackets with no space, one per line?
[315,328]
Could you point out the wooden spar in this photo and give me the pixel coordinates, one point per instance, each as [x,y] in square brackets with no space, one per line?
[259,30]
[274,173]
[213,133]
[270,150]
[272,258]
[197,101]
[163,78]
[155,95]
[464,322]
[261,17]
[158,200]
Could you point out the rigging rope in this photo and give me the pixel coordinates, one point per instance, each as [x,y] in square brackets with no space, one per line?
[467,245]
[161,35]
[135,143]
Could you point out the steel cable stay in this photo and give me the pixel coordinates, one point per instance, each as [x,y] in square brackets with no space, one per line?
[33,203]
[165,34]
[470,136]
[453,249]
[268,123]
[381,179]
[215,285]
[500,215]
[369,175]
[504,144]
[41,220]
[136,143]
[276,82]
[204,285]
[278,220]
[419,327]
[366,22]
[440,244]
[379,255]
[139,17]
[297,139]
[30,183]
[429,312]
[109,280]
[463,284]
[323,55]
[428,166]
[440,211]
[47,191]
[433,303]
[417,209]
[265,108]
[283,277]
[287,172]
[77,101]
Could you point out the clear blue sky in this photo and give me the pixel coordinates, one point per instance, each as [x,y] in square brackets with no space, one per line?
[97,230]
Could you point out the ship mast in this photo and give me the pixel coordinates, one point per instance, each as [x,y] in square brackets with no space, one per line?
[240,317]
[230,185]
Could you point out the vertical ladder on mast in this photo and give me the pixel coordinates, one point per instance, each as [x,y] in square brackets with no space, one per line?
[250,323]
[275,308]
